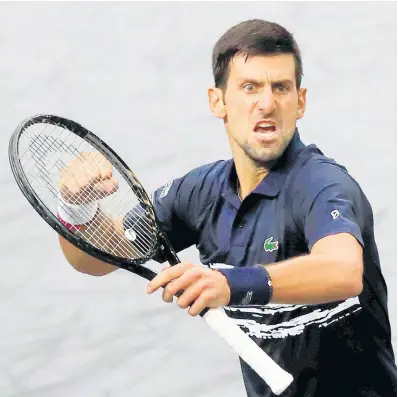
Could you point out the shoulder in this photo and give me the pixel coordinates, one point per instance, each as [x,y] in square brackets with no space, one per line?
[211,173]
[320,172]
[203,185]
[322,184]
[202,182]
[195,188]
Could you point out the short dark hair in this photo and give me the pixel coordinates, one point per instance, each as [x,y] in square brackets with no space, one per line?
[253,37]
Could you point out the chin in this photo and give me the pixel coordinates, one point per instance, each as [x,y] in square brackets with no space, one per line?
[265,159]
[264,156]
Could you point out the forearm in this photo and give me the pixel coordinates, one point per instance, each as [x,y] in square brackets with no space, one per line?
[104,233]
[83,262]
[107,234]
[314,279]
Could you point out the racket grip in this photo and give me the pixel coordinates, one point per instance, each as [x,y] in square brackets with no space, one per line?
[272,374]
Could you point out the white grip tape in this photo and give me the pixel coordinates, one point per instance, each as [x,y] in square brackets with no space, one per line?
[272,374]
[76,214]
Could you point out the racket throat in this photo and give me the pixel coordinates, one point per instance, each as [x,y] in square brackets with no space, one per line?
[167,250]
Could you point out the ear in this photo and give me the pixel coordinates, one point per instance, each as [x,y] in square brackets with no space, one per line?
[302,102]
[216,102]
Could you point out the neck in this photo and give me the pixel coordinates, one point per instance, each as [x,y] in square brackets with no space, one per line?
[249,175]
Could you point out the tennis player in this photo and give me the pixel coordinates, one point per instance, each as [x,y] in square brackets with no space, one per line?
[285,233]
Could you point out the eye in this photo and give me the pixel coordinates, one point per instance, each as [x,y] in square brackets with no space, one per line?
[282,88]
[250,88]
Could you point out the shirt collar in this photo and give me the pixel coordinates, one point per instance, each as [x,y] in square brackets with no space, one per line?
[272,182]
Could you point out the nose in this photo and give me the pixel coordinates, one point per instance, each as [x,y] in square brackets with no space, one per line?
[266,102]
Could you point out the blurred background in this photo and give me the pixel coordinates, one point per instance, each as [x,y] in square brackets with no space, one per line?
[136,74]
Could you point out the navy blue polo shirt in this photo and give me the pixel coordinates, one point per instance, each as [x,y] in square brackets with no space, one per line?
[337,349]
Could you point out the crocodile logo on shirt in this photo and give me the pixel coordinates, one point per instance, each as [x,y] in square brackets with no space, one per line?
[270,245]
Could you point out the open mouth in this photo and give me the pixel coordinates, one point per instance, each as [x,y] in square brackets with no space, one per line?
[265,126]
[266,131]
[262,129]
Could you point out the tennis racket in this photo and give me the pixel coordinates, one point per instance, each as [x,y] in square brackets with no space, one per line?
[40,151]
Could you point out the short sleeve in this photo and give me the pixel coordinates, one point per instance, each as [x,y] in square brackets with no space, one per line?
[171,203]
[329,201]
[178,205]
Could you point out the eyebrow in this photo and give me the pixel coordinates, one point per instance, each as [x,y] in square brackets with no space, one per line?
[275,82]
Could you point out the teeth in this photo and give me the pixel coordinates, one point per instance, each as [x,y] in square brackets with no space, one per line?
[264,125]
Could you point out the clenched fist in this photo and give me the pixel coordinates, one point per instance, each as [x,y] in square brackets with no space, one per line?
[87,178]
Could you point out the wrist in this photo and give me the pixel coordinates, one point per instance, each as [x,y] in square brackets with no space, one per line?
[73,216]
[248,285]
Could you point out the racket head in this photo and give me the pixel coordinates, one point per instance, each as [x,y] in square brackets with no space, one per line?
[18,161]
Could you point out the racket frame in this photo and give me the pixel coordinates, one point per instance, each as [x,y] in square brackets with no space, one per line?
[132,265]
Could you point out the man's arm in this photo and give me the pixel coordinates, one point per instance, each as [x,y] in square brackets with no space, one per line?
[325,275]
[107,234]
[86,178]
[111,232]
[331,272]
[331,216]
[330,211]
[170,201]
[83,262]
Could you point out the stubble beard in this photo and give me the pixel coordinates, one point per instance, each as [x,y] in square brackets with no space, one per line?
[263,158]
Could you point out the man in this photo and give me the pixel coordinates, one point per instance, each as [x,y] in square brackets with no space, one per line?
[286,233]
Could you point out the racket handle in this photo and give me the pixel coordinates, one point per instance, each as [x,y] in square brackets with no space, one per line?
[272,374]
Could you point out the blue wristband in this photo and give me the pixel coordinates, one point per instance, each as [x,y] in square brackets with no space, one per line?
[249,285]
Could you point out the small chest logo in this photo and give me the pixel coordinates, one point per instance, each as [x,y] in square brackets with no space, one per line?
[270,245]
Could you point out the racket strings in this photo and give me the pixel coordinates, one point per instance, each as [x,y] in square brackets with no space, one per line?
[52,144]
[95,237]
[50,155]
[94,233]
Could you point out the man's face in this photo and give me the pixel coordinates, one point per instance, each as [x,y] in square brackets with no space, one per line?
[260,105]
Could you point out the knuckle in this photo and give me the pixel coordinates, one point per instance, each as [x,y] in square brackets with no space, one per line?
[93,175]
[73,189]
[208,296]
[186,265]
[203,284]
[193,272]
[108,170]
[114,185]
[171,288]
[82,182]
[167,290]
[182,303]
